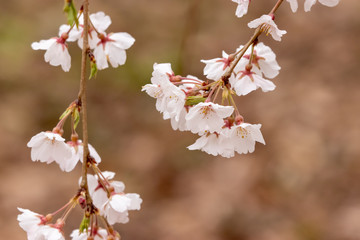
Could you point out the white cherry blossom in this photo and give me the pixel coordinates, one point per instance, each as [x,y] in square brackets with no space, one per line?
[45,232]
[99,21]
[48,147]
[293,5]
[244,136]
[116,208]
[214,144]
[29,221]
[242,7]
[77,151]
[216,67]
[247,81]
[112,48]
[170,100]
[207,116]
[180,122]
[329,3]
[263,61]
[56,51]
[99,234]
[268,26]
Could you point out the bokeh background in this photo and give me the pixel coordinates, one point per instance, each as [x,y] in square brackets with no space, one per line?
[303,185]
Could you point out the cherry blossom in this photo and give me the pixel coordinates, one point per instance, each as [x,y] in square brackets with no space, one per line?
[112,202]
[112,48]
[207,116]
[216,67]
[329,3]
[170,100]
[263,61]
[56,51]
[268,26]
[99,21]
[116,208]
[77,150]
[48,147]
[214,144]
[98,234]
[29,221]
[247,81]
[46,232]
[242,7]
[293,5]
[244,136]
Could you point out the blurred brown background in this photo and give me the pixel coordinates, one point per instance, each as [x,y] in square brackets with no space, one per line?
[303,185]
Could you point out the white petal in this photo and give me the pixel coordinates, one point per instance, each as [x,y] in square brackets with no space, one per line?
[122,40]
[43,44]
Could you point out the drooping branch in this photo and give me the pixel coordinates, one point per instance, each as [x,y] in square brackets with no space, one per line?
[83,102]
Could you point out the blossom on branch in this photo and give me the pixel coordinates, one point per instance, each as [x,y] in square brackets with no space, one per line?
[112,48]
[29,221]
[329,3]
[263,61]
[99,23]
[216,67]
[242,7]
[49,147]
[96,234]
[247,81]
[109,197]
[56,51]
[207,116]
[268,26]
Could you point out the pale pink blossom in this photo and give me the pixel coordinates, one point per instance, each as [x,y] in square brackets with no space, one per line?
[170,99]
[46,232]
[263,61]
[99,21]
[96,188]
[77,151]
[293,5]
[214,144]
[216,67]
[329,3]
[247,81]
[116,208]
[112,48]
[29,221]
[48,147]
[268,25]
[180,122]
[242,7]
[56,51]
[207,116]
[244,136]
[98,234]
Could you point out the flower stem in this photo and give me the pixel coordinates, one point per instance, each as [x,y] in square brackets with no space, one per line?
[83,104]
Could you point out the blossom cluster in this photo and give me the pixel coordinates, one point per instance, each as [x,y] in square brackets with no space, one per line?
[243,5]
[105,47]
[108,197]
[102,198]
[195,105]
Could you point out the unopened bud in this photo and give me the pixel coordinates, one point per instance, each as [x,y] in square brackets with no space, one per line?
[82,202]
[176,78]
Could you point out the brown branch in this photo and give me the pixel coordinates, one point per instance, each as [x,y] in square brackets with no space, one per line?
[83,103]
